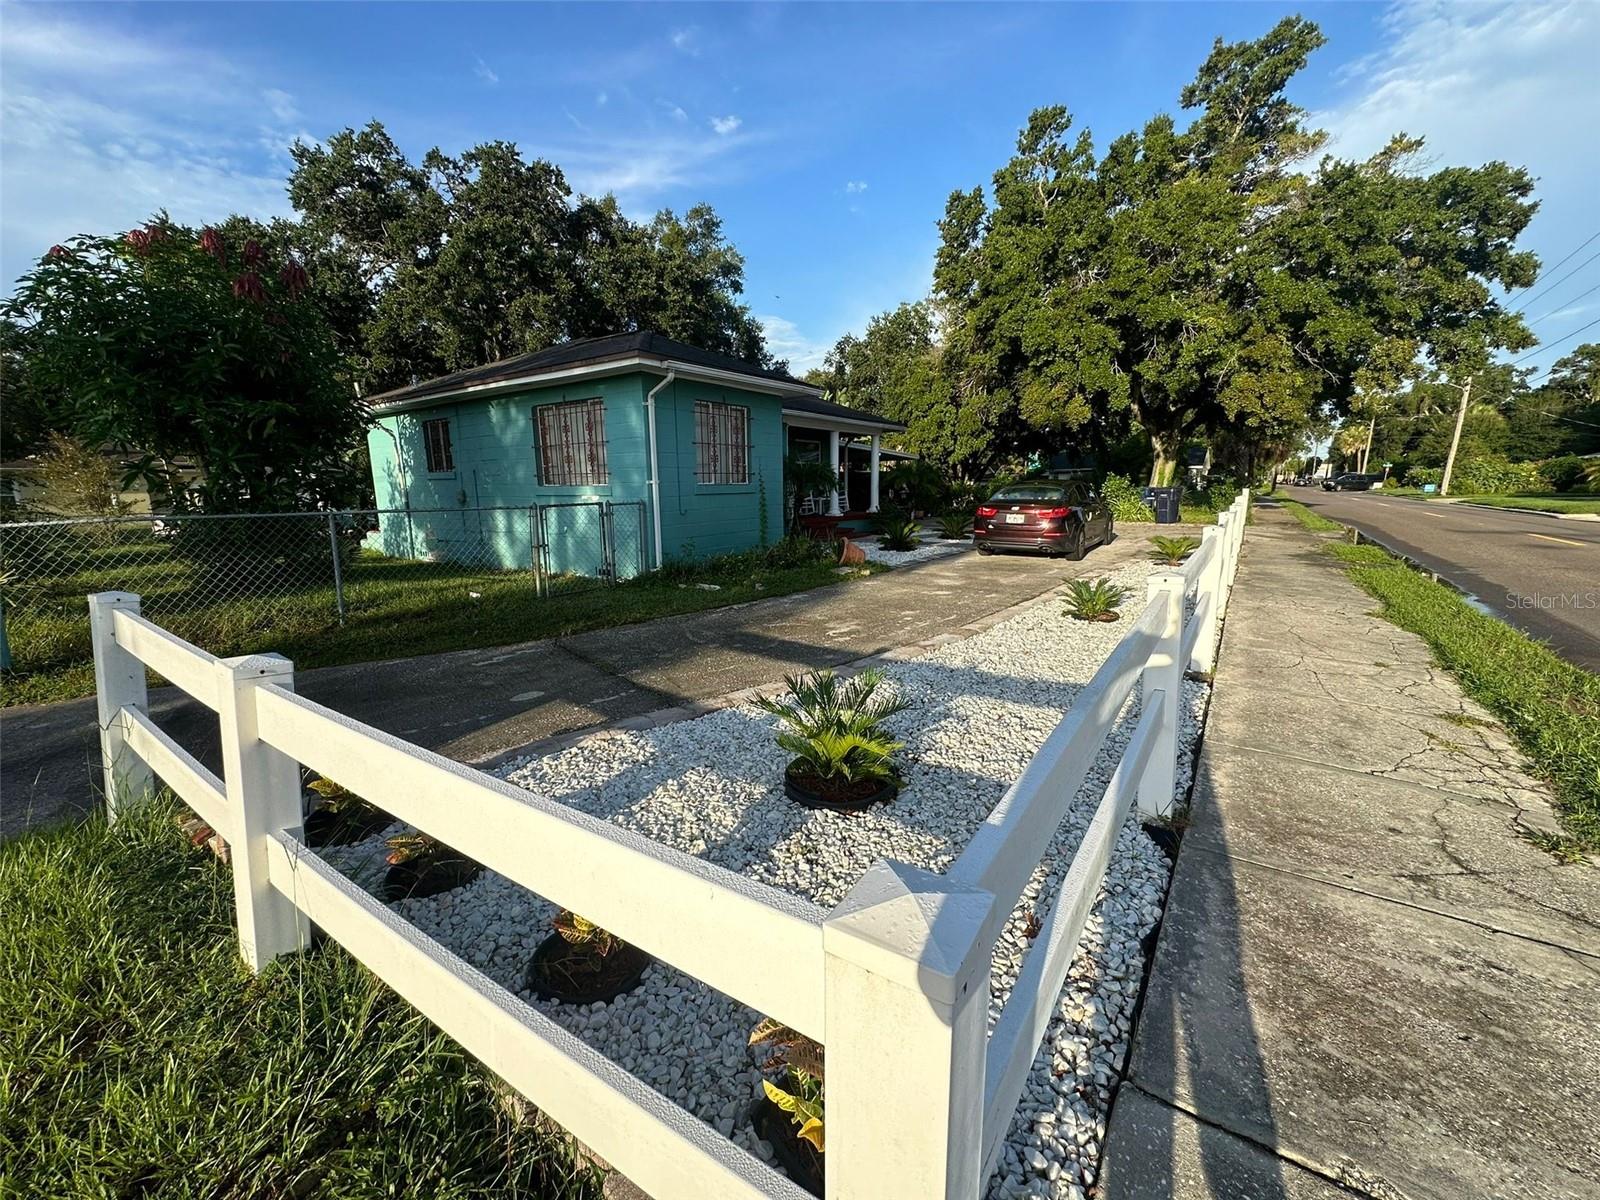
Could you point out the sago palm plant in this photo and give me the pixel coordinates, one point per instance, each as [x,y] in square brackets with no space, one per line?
[955,524]
[835,726]
[1094,599]
[900,535]
[1173,550]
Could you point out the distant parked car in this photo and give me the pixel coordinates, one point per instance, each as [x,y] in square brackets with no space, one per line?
[1054,518]
[1351,482]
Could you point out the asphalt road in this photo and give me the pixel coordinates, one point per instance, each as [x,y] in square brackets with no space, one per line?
[477,705]
[1539,574]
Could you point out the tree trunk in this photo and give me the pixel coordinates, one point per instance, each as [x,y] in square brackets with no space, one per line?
[1167,454]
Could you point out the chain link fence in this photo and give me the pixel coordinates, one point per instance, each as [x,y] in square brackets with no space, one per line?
[237,584]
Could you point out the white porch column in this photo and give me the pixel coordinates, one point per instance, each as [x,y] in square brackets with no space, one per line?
[872,505]
[833,459]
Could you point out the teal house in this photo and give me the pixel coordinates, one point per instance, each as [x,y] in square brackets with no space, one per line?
[651,447]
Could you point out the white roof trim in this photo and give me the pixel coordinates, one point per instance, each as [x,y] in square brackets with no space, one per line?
[811,420]
[615,366]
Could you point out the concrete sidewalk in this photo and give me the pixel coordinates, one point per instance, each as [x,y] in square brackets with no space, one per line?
[479,705]
[1366,983]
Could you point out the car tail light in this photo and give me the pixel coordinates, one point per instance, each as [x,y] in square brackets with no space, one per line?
[1054,514]
[986,511]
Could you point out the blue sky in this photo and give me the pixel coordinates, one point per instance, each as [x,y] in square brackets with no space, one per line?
[827,136]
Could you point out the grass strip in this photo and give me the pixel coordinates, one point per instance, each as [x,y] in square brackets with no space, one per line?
[139,1058]
[1314,521]
[1550,706]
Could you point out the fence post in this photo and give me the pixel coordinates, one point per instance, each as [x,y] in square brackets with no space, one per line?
[1225,523]
[906,1007]
[263,786]
[1163,672]
[118,683]
[608,542]
[338,569]
[1208,604]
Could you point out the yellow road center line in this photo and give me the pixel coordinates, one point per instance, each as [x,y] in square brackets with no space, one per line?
[1564,541]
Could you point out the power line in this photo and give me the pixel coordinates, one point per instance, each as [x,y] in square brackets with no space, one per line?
[1571,254]
[1563,306]
[1560,281]
[1557,342]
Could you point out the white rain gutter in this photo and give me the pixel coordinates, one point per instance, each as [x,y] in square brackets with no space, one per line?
[655,468]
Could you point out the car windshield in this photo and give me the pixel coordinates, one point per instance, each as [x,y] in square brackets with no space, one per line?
[1030,493]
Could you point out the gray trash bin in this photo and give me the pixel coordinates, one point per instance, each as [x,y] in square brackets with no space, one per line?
[1164,502]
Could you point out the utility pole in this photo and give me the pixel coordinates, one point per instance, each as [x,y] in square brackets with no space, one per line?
[1366,455]
[1455,438]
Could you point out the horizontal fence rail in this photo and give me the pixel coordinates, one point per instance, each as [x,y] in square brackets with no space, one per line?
[894,981]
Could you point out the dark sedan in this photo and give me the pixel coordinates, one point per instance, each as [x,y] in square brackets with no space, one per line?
[1351,482]
[1053,518]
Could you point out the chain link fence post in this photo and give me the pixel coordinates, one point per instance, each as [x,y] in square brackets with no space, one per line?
[338,568]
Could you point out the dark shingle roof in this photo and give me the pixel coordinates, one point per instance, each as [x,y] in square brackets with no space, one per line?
[583,352]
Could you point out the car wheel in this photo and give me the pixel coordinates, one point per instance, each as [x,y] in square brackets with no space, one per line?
[1077,547]
[986,550]
[1111,531]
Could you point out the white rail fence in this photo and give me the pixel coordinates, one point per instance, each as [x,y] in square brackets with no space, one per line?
[894,981]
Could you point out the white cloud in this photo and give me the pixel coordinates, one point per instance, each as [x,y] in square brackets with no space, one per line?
[1509,81]
[726,125]
[855,187]
[672,110]
[686,41]
[785,340]
[485,72]
[601,99]
[102,128]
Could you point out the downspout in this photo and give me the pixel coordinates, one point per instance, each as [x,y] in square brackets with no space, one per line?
[655,468]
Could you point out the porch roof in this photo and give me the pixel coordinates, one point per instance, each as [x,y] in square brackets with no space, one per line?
[824,414]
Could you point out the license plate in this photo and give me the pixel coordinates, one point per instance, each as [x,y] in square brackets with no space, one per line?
[1016,518]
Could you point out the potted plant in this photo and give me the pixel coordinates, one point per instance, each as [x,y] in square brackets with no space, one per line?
[343,817]
[421,865]
[1094,599]
[843,758]
[1173,550]
[789,1115]
[580,963]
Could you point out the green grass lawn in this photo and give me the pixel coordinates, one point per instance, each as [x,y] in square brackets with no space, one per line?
[1541,503]
[1550,706]
[139,1058]
[396,608]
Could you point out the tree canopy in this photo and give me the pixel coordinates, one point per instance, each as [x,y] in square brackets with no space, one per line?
[1206,278]
[468,259]
[169,343]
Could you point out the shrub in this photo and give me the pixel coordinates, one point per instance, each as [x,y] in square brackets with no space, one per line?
[957,523]
[835,726]
[1094,600]
[900,535]
[802,1058]
[1566,473]
[77,481]
[1124,500]
[1422,476]
[1173,550]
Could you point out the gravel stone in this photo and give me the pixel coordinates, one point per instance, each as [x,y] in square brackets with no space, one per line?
[712,787]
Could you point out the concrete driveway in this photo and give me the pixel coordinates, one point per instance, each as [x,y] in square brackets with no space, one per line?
[479,705]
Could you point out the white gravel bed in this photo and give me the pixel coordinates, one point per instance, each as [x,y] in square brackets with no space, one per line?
[712,787]
[929,547]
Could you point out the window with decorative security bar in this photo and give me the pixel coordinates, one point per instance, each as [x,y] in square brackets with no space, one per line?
[721,442]
[571,449]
